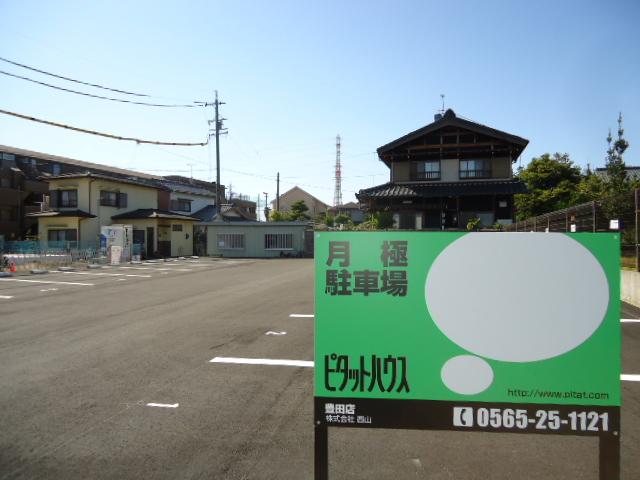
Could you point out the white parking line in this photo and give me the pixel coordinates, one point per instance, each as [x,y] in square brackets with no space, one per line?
[270,332]
[163,405]
[155,269]
[630,378]
[106,274]
[262,361]
[630,320]
[46,281]
[6,297]
[301,315]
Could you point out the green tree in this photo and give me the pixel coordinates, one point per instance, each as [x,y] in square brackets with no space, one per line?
[384,220]
[277,216]
[591,188]
[552,182]
[298,211]
[341,218]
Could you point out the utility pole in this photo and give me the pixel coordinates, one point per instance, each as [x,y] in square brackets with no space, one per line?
[278,192]
[219,130]
[266,206]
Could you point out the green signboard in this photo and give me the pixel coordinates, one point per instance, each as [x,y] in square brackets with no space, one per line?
[471,331]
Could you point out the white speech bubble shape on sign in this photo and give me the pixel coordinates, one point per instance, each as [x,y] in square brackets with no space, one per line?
[517,297]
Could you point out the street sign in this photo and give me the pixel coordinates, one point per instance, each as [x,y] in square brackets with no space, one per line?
[494,332]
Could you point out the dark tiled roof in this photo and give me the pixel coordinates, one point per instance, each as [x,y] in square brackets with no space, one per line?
[62,213]
[206,214]
[450,119]
[76,163]
[101,176]
[152,213]
[443,189]
[228,213]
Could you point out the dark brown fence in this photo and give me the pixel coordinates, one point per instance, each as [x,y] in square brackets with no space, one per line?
[609,214]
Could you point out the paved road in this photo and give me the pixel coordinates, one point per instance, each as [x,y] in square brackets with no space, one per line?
[83,356]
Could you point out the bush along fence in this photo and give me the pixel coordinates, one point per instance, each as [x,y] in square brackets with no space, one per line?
[615,213]
[29,255]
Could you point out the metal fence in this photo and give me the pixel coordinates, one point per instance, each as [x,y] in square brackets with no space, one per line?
[616,213]
[34,254]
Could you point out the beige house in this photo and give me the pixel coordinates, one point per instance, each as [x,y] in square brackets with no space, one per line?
[80,204]
[296,194]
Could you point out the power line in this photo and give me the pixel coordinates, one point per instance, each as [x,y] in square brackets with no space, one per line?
[100,134]
[147,104]
[71,79]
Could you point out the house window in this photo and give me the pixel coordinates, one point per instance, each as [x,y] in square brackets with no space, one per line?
[113,199]
[428,170]
[67,235]
[108,199]
[55,169]
[68,198]
[176,227]
[181,205]
[475,168]
[278,241]
[230,241]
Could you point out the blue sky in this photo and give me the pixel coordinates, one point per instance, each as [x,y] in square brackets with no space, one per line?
[294,74]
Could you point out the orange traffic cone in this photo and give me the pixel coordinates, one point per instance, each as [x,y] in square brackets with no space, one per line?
[12,267]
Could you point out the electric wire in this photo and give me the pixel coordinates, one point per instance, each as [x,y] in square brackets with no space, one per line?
[71,79]
[101,134]
[147,104]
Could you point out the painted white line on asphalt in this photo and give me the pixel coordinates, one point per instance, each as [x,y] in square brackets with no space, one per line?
[163,405]
[301,315]
[630,378]
[262,361]
[107,274]
[275,333]
[6,297]
[630,320]
[46,281]
[155,269]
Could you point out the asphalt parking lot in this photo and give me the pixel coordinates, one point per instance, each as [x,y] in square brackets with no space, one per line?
[108,373]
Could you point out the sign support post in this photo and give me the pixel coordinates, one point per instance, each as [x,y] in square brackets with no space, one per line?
[321,452]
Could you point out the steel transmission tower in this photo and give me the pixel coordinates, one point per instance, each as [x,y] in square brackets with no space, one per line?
[337,195]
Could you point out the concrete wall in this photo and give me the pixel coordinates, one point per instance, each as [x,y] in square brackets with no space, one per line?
[254,239]
[630,288]
[182,242]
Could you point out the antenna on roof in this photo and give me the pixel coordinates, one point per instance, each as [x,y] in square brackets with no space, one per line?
[440,113]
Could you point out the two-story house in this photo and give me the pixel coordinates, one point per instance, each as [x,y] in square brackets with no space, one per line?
[81,203]
[447,173]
